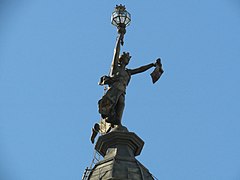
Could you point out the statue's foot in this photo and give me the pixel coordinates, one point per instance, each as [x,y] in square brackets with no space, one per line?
[94,134]
[120,128]
[95,131]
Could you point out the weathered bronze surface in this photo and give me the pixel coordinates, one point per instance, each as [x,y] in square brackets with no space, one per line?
[111,105]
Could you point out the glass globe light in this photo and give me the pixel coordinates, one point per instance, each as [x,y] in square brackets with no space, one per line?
[120,17]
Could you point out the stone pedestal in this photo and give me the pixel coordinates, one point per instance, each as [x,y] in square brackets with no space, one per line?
[119,148]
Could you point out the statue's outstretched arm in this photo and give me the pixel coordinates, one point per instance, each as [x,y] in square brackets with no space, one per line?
[115,55]
[141,69]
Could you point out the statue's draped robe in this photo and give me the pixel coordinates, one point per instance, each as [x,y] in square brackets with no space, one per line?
[117,87]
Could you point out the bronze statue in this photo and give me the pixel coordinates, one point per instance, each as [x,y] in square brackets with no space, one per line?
[111,105]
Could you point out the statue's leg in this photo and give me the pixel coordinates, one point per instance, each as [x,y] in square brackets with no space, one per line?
[119,109]
[95,131]
[105,105]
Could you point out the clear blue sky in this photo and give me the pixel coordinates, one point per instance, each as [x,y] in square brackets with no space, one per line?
[53,52]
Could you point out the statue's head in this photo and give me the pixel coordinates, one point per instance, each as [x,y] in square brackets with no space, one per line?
[124,58]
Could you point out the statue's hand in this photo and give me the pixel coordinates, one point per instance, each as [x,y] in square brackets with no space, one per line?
[121,32]
[158,63]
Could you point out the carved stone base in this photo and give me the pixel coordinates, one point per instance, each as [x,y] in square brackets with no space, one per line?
[119,148]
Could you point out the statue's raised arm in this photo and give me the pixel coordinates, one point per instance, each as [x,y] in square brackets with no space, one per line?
[116,54]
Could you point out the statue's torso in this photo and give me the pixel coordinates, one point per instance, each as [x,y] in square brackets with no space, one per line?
[122,78]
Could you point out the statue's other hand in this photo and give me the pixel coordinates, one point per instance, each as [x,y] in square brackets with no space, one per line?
[158,62]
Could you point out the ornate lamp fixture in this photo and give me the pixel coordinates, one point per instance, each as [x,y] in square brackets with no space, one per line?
[121,18]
